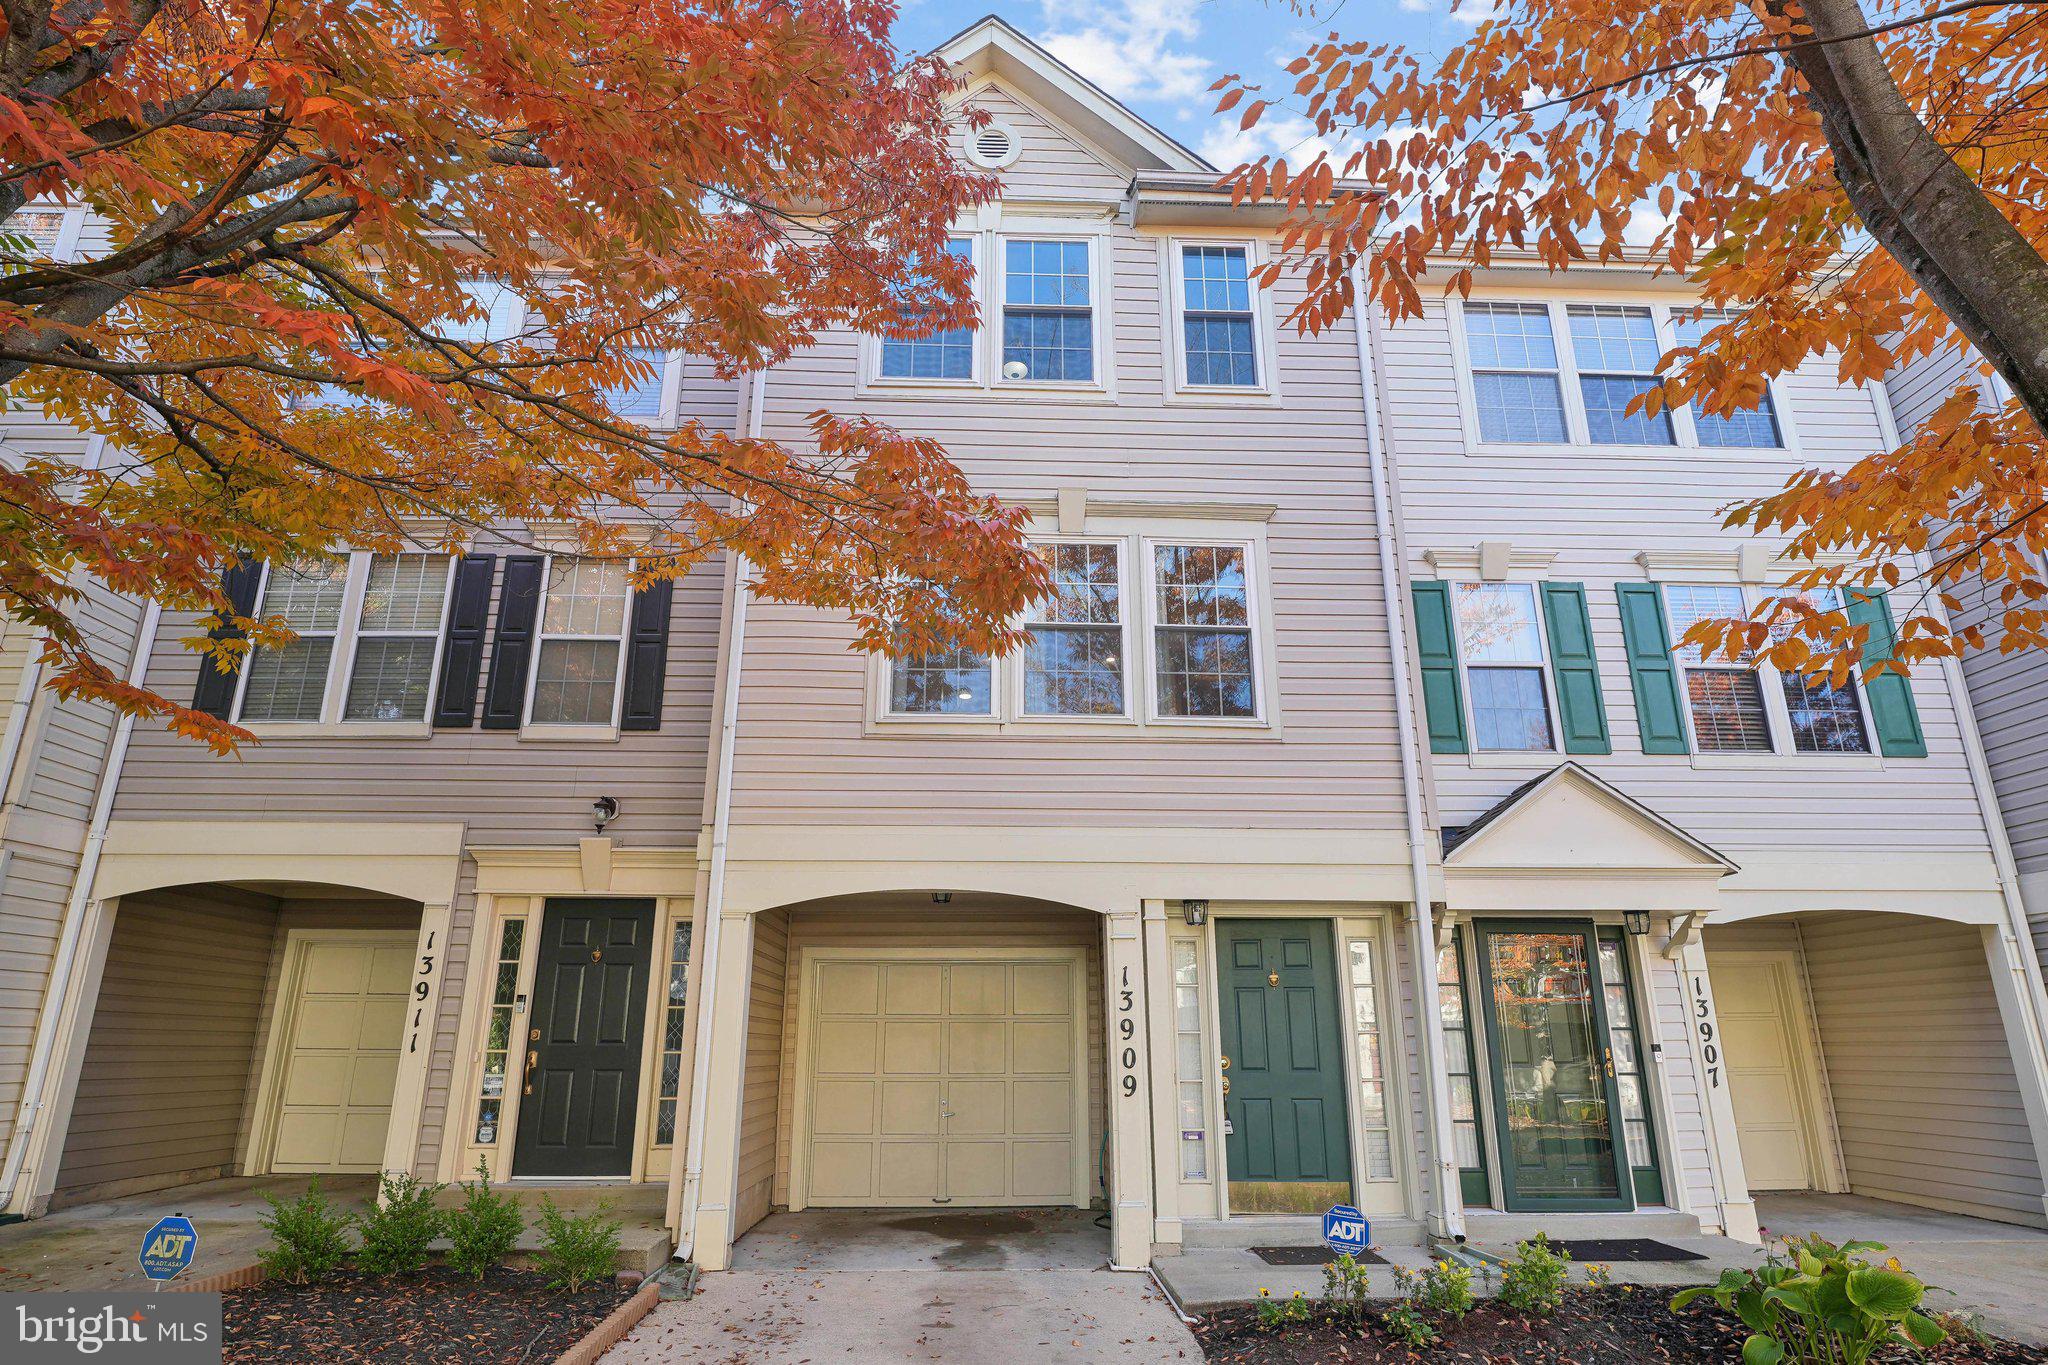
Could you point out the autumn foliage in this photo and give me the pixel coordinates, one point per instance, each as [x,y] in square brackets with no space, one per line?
[285,340]
[1857,183]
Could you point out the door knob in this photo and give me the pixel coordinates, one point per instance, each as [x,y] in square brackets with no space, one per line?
[1608,1052]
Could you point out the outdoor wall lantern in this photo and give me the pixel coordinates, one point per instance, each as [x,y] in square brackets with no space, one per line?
[603,811]
[1637,922]
[1196,913]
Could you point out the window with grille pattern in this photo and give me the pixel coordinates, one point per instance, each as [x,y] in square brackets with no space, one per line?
[289,682]
[500,1047]
[1073,665]
[1219,345]
[1616,350]
[672,1009]
[1501,643]
[1204,664]
[397,636]
[1048,314]
[1190,1061]
[1755,427]
[1725,701]
[1375,1125]
[942,355]
[1514,372]
[582,636]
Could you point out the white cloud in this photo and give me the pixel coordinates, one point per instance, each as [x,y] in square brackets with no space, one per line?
[1286,135]
[1416,6]
[1473,12]
[1134,49]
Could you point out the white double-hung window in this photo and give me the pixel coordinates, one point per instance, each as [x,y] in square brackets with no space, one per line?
[1556,373]
[578,668]
[1048,311]
[368,631]
[1747,707]
[1500,640]
[1174,642]
[1074,664]
[1219,329]
[942,356]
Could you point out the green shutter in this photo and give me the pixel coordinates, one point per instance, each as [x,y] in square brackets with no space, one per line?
[1436,649]
[1575,669]
[1650,668]
[1891,695]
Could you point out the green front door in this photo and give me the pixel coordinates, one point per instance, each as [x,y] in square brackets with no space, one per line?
[581,1073]
[1556,1108]
[1286,1142]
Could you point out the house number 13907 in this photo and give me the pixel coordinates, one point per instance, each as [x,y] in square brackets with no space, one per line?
[1127,1033]
[1703,1019]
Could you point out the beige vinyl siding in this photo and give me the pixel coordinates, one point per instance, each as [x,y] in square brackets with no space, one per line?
[1682,1141]
[441,1060]
[43,822]
[1916,390]
[508,790]
[1052,162]
[1918,1066]
[803,754]
[1597,510]
[167,1065]
[761,1095]
[938,927]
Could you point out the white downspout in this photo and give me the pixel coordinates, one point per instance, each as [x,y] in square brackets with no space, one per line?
[712,913]
[66,959]
[1448,1204]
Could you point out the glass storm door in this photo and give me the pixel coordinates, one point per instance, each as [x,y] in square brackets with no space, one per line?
[1557,1113]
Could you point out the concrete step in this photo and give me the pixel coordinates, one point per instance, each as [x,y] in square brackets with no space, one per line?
[1286,1230]
[1493,1229]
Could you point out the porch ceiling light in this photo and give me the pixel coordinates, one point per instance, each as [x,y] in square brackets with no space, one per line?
[1196,913]
[1637,922]
[942,898]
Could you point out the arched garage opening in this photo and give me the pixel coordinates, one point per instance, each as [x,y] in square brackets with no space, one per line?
[1869,1054]
[239,1028]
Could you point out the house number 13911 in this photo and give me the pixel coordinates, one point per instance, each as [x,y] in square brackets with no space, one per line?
[1127,1033]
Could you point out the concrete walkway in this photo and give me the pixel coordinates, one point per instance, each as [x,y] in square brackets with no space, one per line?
[1025,1286]
[94,1246]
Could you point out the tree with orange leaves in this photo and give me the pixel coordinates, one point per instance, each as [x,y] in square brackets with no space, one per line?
[1864,180]
[285,338]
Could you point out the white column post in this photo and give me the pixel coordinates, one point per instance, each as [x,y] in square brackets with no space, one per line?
[1130,1111]
[416,1044]
[1165,1073]
[51,1121]
[724,1088]
[2012,985]
[1710,1060]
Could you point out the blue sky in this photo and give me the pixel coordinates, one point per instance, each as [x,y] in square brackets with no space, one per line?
[1160,56]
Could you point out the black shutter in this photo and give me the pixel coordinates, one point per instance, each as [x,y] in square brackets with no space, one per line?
[647,655]
[462,652]
[512,647]
[215,692]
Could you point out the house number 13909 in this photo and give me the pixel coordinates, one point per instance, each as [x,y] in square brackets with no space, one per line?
[1127,1033]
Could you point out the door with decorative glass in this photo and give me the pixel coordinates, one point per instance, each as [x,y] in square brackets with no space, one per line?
[1558,1107]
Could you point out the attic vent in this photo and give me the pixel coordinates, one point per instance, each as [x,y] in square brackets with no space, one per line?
[994,146]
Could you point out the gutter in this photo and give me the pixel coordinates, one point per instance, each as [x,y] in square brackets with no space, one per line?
[711,913]
[66,960]
[1446,1215]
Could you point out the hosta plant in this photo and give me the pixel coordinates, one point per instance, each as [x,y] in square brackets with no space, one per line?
[1821,1302]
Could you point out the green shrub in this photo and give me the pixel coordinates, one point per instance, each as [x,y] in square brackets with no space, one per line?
[1821,1302]
[481,1232]
[399,1232]
[1534,1281]
[308,1237]
[1407,1324]
[577,1251]
[1444,1289]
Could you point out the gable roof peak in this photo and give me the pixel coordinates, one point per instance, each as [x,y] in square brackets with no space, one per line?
[992,45]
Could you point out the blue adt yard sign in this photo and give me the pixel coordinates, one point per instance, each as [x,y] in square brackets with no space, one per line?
[1345,1229]
[168,1248]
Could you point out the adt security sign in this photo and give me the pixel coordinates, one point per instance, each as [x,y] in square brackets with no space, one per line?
[168,1248]
[1345,1229]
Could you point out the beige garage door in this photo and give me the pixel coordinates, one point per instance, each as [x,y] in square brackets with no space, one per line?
[943,1083]
[335,1095]
[1762,1016]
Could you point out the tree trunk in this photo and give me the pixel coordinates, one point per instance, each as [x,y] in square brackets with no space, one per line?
[1921,206]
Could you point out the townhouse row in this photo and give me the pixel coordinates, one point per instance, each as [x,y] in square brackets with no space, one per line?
[1348,831]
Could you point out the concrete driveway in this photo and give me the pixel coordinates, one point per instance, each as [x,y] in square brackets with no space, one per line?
[1026,1286]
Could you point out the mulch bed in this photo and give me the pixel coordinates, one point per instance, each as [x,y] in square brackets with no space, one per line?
[509,1316]
[1595,1327]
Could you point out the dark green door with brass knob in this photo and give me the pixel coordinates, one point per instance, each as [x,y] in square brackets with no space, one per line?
[580,1073]
[1286,1135]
